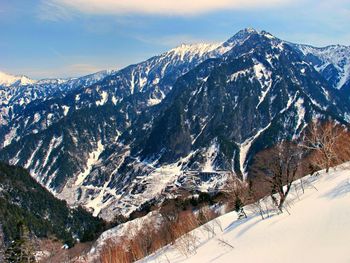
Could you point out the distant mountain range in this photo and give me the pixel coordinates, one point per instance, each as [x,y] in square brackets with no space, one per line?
[114,140]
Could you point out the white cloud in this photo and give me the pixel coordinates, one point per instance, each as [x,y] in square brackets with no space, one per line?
[156,7]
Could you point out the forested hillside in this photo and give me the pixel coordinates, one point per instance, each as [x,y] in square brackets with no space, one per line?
[25,203]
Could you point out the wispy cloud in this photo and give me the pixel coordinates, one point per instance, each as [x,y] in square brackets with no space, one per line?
[54,11]
[150,7]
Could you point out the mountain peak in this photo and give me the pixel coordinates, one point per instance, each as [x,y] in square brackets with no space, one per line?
[249,30]
[252,31]
[239,37]
[8,79]
[242,35]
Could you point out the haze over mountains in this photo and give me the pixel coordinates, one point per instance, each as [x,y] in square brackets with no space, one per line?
[115,140]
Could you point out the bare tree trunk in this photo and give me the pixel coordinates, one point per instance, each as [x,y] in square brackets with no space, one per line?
[282,200]
[327,165]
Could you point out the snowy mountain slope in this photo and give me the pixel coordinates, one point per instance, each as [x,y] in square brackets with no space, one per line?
[128,91]
[215,118]
[104,144]
[333,62]
[22,104]
[114,234]
[27,109]
[316,230]
[257,86]
[151,80]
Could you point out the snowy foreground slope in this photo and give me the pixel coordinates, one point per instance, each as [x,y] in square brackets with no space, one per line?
[317,229]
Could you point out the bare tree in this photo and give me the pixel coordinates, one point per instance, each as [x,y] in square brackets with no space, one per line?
[323,139]
[116,253]
[142,239]
[278,168]
[186,244]
[236,192]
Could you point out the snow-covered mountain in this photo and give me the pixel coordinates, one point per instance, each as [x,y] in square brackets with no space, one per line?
[316,230]
[29,108]
[92,116]
[216,118]
[117,140]
[8,80]
[333,62]
[19,97]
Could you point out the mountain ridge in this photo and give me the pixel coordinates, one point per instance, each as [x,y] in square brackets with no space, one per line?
[199,107]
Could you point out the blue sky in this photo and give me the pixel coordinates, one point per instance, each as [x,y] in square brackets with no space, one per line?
[62,38]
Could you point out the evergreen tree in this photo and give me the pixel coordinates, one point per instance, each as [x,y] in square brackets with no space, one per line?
[21,250]
[239,208]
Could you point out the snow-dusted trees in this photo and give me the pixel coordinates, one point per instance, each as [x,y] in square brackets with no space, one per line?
[325,141]
[277,168]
